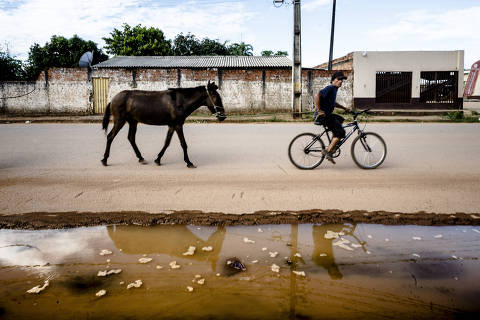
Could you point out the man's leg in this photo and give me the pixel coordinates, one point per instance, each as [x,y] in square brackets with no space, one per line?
[338,133]
[332,145]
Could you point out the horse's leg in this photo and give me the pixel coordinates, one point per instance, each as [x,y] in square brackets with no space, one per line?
[132,130]
[165,146]
[118,125]
[179,130]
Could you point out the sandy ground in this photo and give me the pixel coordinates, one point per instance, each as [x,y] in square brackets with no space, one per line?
[242,168]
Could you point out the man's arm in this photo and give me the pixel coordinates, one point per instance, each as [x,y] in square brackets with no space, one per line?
[342,107]
[316,101]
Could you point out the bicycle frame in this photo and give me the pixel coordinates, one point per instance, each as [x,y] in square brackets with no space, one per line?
[353,124]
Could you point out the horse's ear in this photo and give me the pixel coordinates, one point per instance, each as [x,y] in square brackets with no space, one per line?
[208,84]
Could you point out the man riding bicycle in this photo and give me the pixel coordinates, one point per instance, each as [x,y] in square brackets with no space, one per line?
[325,103]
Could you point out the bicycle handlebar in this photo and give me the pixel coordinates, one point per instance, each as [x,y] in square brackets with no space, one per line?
[356,114]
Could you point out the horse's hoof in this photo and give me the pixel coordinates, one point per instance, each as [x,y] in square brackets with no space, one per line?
[191,166]
[104,162]
[142,161]
[157,161]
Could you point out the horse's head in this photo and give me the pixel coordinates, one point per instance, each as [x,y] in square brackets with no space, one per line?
[214,101]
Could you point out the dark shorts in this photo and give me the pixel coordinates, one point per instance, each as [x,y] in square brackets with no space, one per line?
[333,122]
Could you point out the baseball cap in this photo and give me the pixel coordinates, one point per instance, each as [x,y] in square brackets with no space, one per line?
[338,75]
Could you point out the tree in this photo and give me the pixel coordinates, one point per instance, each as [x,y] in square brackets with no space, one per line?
[189,45]
[143,41]
[60,52]
[138,41]
[186,45]
[213,48]
[10,68]
[269,53]
[240,49]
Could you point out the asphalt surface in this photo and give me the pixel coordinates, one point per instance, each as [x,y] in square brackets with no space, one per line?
[242,168]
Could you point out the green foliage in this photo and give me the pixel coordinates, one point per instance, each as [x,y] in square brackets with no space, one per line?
[240,49]
[270,53]
[186,45]
[189,45]
[213,47]
[11,69]
[129,41]
[455,116]
[459,116]
[60,52]
[138,41]
[267,53]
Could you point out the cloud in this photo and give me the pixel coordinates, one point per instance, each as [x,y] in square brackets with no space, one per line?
[313,4]
[35,21]
[432,30]
[434,26]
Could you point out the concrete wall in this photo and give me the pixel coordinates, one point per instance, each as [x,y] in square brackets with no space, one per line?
[69,91]
[318,80]
[366,67]
[242,90]
[60,91]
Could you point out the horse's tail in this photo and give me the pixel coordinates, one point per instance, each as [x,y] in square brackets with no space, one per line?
[106,117]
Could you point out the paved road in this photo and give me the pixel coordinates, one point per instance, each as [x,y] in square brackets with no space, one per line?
[242,168]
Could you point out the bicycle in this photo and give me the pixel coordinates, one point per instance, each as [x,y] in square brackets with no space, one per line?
[368,149]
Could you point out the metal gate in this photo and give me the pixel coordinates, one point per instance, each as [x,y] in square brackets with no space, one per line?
[438,87]
[393,87]
[100,94]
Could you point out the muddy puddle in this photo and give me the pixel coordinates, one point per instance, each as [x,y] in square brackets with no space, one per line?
[299,271]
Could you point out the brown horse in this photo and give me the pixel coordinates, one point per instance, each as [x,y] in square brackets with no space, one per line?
[170,107]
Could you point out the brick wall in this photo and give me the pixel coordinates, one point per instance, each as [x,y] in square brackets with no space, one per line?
[69,91]
[60,91]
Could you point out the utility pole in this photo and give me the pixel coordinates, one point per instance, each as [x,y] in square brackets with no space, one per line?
[330,57]
[297,61]
[297,57]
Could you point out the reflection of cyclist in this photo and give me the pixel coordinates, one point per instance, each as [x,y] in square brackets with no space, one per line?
[325,102]
[324,246]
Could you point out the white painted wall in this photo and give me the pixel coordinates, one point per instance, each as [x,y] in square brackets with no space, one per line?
[366,66]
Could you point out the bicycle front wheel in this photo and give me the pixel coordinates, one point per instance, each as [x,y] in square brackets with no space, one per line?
[305,151]
[368,150]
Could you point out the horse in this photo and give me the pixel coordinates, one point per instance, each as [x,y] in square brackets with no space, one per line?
[169,107]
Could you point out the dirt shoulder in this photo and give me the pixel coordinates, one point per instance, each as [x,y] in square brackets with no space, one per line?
[49,220]
[378,116]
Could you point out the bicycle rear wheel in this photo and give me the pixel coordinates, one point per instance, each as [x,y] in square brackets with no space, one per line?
[368,150]
[305,151]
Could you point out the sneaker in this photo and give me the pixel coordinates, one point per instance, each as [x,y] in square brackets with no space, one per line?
[328,156]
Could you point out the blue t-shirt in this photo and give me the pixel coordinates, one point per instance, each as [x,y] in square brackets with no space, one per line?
[328,96]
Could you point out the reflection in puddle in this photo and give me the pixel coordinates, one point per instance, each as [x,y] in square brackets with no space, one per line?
[356,271]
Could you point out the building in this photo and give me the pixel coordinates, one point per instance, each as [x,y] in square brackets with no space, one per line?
[342,63]
[405,79]
[246,83]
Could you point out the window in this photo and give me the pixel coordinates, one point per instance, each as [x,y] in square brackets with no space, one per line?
[393,87]
[438,86]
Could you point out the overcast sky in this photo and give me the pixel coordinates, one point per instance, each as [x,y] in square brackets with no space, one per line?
[360,24]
